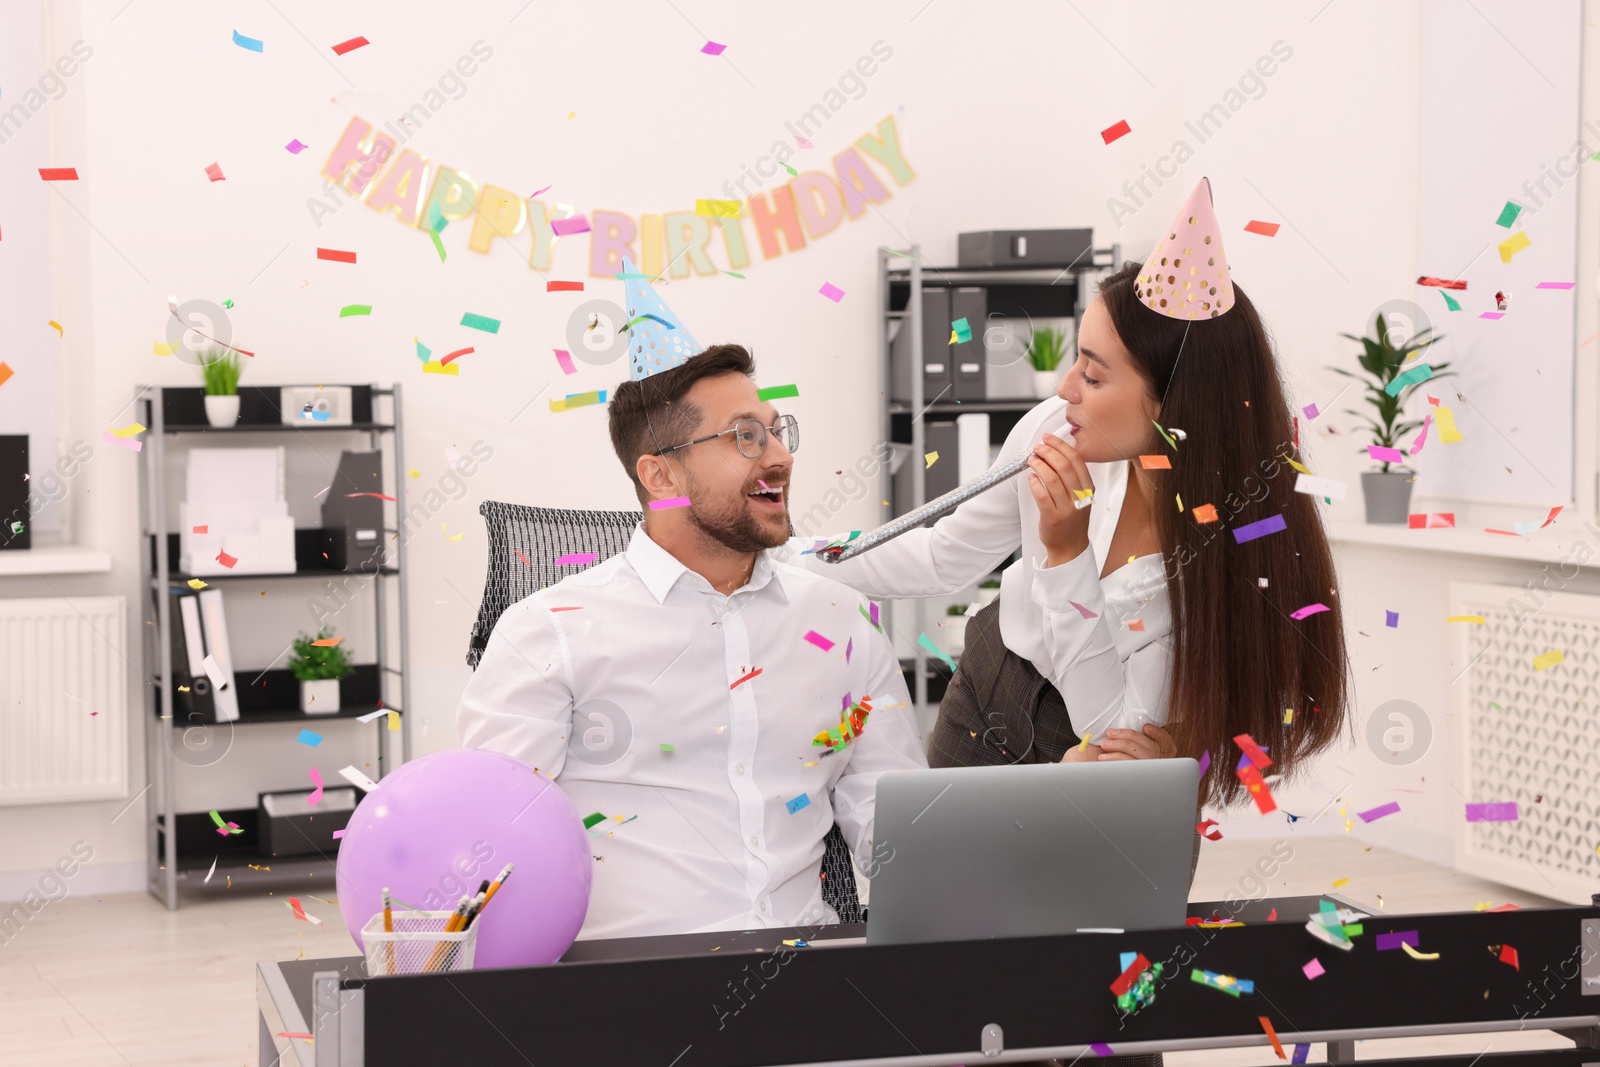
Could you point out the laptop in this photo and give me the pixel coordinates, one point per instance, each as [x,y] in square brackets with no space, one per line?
[1028,849]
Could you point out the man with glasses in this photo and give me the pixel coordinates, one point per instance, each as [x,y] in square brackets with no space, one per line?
[722,708]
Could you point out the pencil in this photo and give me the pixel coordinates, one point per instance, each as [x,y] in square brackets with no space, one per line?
[451,926]
[499,880]
[473,909]
[388,928]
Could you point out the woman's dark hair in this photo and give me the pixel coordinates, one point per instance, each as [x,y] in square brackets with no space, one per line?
[651,414]
[1239,659]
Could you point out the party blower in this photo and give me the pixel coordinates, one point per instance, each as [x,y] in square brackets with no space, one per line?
[939,506]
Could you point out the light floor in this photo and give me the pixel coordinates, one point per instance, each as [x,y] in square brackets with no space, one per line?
[118,980]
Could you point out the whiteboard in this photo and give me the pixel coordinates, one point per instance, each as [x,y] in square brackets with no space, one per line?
[1500,113]
[28,344]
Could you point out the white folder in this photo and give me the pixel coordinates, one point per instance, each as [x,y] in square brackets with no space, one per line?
[225,694]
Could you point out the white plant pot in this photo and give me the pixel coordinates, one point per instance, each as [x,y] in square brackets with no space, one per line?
[320,697]
[222,410]
[953,634]
[1045,383]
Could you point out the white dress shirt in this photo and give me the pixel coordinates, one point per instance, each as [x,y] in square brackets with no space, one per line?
[1108,673]
[588,679]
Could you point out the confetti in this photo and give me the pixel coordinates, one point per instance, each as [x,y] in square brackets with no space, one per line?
[130,445]
[356,778]
[564,359]
[737,682]
[1414,954]
[225,559]
[927,642]
[350,46]
[295,147]
[1503,811]
[214,172]
[450,536]
[1205,513]
[579,400]
[225,828]
[712,48]
[1421,372]
[1512,245]
[669,502]
[1252,531]
[307,737]
[1312,485]
[1308,611]
[565,227]
[57,326]
[1311,411]
[248,42]
[457,354]
[1313,969]
[1272,1035]
[435,367]
[1509,955]
[1384,454]
[326,642]
[352,310]
[336,255]
[960,332]
[59,174]
[777,392]
[818,640]
[1391,619]
[5,372]
[394,721]
[1208,830]
[801,801]
[563,287]
[1155,463]
[130,430]
[1476,619]
[293,904]
[1555,285]
[1374,814]
[1448,434]
[576,559]
[832,292]
[480,322]
[666,747]
[1492,315]
[931,458]
[1265,229]
[717,209]
[195,583]
[1442,283]
[1113,132]
[1450,302]
[1433,520]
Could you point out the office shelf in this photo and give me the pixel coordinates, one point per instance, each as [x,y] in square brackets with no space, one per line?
[273,695]
[1013,292]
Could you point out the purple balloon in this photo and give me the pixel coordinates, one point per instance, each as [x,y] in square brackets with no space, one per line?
[438,826]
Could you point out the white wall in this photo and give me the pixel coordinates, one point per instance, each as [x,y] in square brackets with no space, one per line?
[999,115]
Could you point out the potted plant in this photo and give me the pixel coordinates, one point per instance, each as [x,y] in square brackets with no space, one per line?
[1046,347]
[221,370]
[988,589]
[319,668]
[1388,492]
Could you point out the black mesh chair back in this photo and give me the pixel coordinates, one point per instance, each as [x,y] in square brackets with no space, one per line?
[524,543]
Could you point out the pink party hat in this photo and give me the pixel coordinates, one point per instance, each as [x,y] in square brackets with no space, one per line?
[1186,277]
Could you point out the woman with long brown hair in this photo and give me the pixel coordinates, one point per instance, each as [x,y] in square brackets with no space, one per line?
[1159,619]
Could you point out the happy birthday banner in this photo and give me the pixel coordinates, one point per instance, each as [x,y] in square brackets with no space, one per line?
[812,205]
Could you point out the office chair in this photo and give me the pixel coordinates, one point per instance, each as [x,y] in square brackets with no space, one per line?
[542,535]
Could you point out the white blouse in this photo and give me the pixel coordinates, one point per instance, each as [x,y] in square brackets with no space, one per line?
[1106,644]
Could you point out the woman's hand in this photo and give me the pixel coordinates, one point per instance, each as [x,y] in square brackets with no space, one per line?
[1056,470]
[1153,743]
[1081,753]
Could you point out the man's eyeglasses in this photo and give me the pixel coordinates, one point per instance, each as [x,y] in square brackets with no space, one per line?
[751,437]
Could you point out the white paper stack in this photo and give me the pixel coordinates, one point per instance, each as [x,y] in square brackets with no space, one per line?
[237,494]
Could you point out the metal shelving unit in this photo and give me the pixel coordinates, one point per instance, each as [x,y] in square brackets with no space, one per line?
[270,696]
[900,299]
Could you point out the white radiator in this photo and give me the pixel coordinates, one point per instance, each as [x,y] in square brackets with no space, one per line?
[1539,747]
[63,699]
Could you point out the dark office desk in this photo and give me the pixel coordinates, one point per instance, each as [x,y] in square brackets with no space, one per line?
[673,1002]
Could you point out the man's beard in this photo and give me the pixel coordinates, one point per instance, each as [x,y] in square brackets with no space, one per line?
[735,528]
